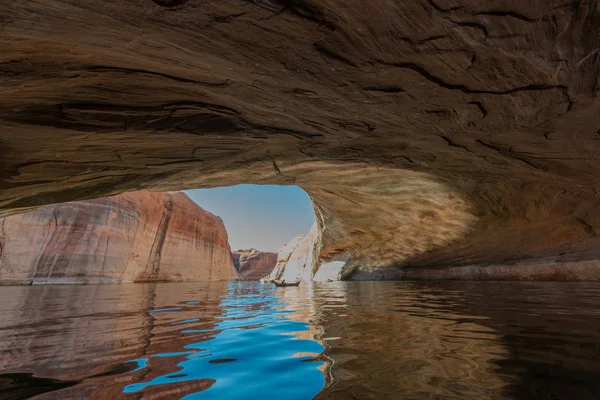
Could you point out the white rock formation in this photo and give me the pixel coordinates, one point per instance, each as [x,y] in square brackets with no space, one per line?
[299,260]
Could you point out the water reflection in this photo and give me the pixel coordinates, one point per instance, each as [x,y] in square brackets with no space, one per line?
[201,340]
[399,340]
[339,340]
[465,340]
[252,338]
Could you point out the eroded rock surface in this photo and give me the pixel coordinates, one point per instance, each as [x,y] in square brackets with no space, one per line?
[132,237]
[252,264]
[298,259]
[429,133]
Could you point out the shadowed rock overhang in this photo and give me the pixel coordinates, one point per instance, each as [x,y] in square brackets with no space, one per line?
[429,133]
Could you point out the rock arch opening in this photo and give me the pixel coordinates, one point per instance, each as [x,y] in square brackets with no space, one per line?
[260,220]
[369,217]
[452,146]
[264,217]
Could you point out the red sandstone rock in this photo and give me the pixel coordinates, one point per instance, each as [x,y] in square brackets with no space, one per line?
[132,237]
[429,133]
[252,264]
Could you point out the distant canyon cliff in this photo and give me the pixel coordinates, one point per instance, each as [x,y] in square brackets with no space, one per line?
[252,264]
[132,237]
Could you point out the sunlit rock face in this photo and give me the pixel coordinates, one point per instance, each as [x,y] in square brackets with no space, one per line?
[298,259]
[138,236]
[367,216]
[429,134]
[252,264]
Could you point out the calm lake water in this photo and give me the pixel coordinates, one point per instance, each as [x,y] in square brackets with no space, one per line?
[342,340]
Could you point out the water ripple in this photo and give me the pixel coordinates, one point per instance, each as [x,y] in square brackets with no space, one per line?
[253,338]
[339,340]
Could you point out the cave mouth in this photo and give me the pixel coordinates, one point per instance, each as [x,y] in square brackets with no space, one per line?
[262,217]
[364,216]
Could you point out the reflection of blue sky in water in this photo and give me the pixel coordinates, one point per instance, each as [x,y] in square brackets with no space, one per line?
[253,353]
[185,321]
[165,309]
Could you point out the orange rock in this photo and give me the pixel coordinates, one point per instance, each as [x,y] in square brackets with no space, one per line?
[252,264]
[132,237]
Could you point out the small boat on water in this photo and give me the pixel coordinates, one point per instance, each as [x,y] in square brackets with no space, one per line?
[283,283]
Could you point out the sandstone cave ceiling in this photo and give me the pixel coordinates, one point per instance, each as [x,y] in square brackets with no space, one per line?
[427,132]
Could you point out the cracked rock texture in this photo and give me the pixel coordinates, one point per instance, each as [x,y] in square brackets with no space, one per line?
[252,264]
[429,133]
[132,237]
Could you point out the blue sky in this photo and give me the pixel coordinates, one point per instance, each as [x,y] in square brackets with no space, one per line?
[261,216]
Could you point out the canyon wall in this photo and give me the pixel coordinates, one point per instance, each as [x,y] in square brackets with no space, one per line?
[132,237]
[252,264]
[430,134]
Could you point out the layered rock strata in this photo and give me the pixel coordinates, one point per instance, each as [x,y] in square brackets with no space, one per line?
[133,237]
[429,133]
[252,264]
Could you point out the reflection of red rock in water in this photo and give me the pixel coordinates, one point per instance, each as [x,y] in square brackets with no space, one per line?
[61,347]
[252,264]
[138,236]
